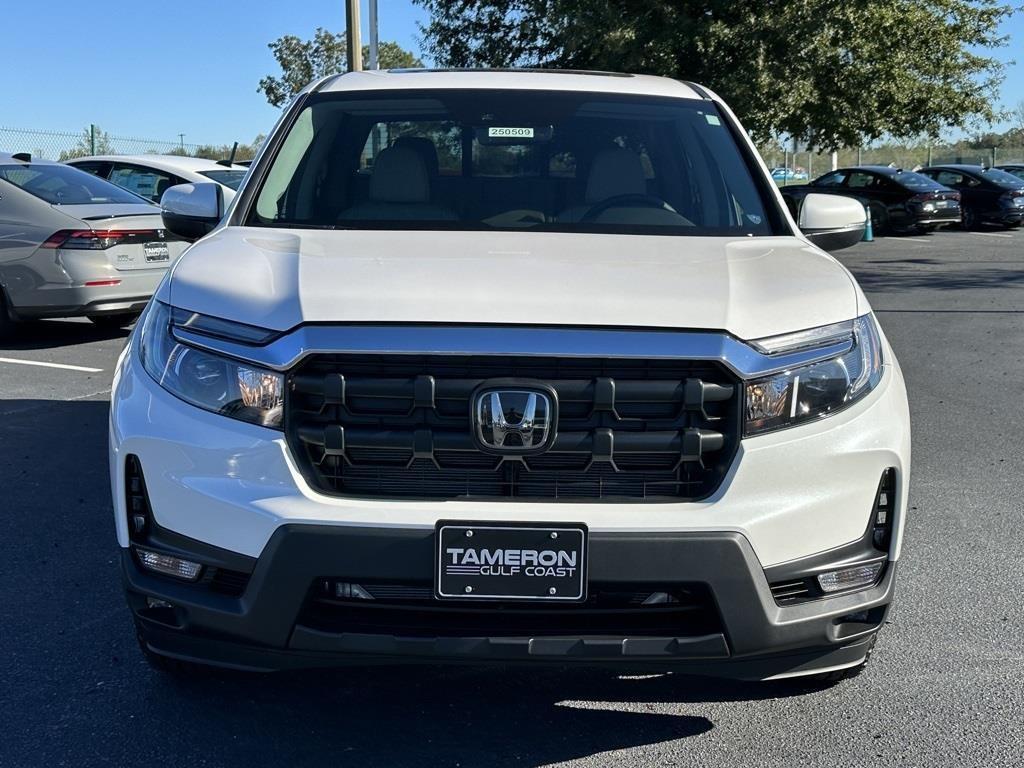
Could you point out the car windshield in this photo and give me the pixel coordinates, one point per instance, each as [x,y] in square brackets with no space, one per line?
[64,185]
[230,179]
[916,181]
[502,159]
[1001,178]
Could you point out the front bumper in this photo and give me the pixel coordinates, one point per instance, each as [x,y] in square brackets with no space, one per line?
[271,626]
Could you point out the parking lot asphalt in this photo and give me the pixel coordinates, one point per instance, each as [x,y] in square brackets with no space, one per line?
[945,686]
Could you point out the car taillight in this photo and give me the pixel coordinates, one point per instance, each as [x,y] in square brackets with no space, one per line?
[97,239]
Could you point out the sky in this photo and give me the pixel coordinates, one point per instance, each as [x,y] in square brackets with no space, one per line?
[156,70]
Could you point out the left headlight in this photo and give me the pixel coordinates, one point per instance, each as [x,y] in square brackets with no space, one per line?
[214,383]
[817,390]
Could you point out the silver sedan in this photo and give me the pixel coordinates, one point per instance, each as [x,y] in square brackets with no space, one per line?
[74,245]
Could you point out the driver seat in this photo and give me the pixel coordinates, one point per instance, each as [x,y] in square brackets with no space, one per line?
[614,171]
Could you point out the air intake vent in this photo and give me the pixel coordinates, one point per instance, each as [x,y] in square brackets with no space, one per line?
[786,592]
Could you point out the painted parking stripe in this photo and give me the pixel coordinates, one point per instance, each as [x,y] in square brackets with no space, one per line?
[992,234]
[62,366]
[913,240]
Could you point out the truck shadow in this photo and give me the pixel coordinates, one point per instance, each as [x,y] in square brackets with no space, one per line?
[50,334]
[75,650]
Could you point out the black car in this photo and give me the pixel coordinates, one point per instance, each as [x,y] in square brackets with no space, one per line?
[988,195]
[899,200]
[1015,169]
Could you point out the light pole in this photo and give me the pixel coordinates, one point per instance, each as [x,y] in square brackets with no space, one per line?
[374,37]
[353,36]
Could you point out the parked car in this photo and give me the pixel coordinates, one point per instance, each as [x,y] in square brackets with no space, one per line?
[987,195]
[788,174]
[151,175]
[585,394]
[1015,169]
[899,200]
[74,245]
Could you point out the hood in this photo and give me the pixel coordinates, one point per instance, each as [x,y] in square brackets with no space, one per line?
[751,287]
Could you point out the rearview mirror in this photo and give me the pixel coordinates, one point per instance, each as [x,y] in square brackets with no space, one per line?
[832,222]
[191,211]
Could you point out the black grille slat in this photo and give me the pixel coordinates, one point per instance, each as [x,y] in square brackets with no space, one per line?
[398,426]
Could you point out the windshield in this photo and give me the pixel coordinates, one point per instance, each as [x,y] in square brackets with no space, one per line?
[64,185]
[918,181]
[501,159]
[230,179]
[1002,178]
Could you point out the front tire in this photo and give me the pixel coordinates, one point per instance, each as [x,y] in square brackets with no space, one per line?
[879,219]
[6,323]
[969,219]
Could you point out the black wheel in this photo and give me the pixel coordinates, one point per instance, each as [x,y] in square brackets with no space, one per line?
[879,219]
[969,218]
[113,322]
[838,675]
[6,323]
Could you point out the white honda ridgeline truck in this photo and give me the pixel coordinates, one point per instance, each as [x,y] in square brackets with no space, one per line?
[510,366]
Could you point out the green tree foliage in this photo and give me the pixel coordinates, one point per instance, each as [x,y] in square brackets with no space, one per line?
[84,146]
[303,61]
[831,73]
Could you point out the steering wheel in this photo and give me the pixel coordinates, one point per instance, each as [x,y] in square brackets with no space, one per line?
[634,200]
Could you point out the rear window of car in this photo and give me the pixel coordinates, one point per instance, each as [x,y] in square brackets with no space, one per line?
[1001,178]
[229,178]
[503,159]
[64,185]
[915,181]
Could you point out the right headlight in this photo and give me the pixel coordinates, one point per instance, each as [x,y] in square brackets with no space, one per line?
[206,380]
[817,390]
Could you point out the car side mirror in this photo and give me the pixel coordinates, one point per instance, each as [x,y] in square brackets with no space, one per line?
[191,211]
[832,222]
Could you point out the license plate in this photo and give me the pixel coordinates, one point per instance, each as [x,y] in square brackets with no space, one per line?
[156,252]
[511,562]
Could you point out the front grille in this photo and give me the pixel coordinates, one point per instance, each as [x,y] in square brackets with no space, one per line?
[399,427]
[409,610]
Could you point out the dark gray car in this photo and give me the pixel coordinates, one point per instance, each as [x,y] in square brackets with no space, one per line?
[74,245]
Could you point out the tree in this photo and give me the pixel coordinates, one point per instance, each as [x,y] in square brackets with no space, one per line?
[832,74]
[303,61]
[84,146]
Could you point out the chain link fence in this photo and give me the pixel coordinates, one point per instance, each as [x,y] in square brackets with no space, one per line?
[64,145]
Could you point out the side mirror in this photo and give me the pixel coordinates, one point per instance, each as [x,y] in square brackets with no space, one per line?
[191,211]
[832,222]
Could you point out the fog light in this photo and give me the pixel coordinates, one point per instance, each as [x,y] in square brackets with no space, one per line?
[345,590]
[850,578]
[168,564]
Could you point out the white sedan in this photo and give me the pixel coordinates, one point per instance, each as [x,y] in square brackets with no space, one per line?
[151,175]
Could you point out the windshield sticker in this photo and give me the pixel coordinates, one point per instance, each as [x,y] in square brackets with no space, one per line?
[496,132]
[712,119]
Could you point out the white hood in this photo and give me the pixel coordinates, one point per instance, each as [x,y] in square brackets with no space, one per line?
[751,287]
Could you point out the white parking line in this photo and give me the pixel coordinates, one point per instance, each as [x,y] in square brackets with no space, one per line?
[914,240]
[82,368]
[992,234]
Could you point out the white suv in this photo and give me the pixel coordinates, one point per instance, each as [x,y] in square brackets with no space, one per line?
[510,366]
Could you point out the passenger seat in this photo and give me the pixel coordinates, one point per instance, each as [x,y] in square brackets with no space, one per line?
[399,190]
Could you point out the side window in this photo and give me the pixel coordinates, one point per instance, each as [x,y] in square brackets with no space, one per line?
[861,180]
[148,182]
[96,168]
[950,179]
[834,179]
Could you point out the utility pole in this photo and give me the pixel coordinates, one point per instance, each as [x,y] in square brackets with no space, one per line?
[374,37]
[353,36]
[181,140]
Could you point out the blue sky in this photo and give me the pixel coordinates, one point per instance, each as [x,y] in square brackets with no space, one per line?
[192,66]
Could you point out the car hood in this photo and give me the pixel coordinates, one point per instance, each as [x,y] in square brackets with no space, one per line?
[751,287]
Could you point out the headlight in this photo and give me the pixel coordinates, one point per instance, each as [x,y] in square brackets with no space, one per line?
[817,390]
[209,381]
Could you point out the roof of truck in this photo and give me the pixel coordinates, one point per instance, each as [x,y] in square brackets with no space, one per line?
[512,79]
